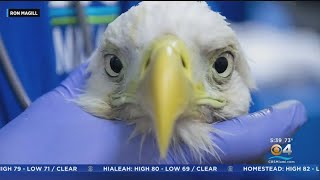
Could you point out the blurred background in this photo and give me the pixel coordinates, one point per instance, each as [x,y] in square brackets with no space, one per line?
[281,40]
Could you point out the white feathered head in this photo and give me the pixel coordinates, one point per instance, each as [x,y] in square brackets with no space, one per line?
[171,69]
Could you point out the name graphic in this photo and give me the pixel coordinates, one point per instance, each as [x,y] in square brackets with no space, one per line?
[23,12]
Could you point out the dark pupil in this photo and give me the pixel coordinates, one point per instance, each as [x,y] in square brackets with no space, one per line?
[221,64]
[115,64]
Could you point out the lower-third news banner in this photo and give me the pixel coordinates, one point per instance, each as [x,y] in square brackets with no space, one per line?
[311,169]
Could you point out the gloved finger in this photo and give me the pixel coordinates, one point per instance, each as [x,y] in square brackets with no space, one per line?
[75,82]
[248,137]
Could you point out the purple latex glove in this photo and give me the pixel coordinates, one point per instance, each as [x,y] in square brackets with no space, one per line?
[55,130]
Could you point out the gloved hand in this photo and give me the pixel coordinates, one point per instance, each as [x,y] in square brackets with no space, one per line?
[55,130]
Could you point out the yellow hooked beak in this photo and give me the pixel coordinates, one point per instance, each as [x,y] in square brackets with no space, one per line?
[167,86]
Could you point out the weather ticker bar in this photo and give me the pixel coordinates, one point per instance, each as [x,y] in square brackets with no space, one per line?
[247,169]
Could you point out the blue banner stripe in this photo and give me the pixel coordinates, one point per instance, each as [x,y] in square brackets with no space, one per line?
[102,10]
[109,10]
[54,12]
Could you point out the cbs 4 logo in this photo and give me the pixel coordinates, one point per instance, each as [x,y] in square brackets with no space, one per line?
[277,149]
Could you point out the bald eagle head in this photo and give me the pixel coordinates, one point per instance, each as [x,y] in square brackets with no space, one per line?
[171,69]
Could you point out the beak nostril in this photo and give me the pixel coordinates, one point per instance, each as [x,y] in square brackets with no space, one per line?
[147,63]
[183,62]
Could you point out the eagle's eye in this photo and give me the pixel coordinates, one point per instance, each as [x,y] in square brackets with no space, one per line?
[223,65]
[113,65]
